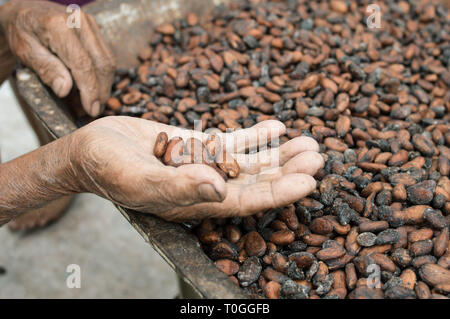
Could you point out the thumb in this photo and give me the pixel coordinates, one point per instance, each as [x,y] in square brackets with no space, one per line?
[194,183]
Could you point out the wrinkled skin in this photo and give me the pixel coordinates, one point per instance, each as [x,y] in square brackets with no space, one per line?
[113,158]
[124,170]
[37,33]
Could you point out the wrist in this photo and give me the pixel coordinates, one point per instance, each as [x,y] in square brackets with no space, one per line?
[66,177]
[74,167]
[86,159]
[36,178]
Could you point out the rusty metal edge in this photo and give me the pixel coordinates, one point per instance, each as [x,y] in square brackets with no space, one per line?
[42,103]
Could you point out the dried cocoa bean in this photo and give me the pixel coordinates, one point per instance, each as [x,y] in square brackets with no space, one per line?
[160,144]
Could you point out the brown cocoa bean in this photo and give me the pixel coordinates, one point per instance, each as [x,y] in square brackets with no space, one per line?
[272,290]
[228,164]
[441,242]
[321,226]
[255,244]
[282,237]
[227,266]
[422,290]
[422,247]
[160,144]
[174,152]
[434,274]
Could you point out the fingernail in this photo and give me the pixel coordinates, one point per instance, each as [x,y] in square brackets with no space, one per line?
[58,85]
[95,108]
[209,193]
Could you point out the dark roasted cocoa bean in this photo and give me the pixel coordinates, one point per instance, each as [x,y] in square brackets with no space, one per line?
[435,218]
[255,244]
[366,239]
[421,193]
[402,257]
[249,271]
[290,289]
[399,292]
[388,236]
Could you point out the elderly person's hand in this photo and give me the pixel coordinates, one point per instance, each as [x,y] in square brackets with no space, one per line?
[39,35]
[113,158]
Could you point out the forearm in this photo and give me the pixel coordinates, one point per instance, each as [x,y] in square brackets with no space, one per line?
[36,178]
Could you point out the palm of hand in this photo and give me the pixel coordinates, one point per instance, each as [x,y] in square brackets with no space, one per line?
[116,161]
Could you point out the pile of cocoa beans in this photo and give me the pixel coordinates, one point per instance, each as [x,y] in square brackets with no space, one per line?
[175,152]
[377,100]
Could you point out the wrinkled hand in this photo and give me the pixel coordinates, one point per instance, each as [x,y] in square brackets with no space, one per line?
[39,36]
[113,157]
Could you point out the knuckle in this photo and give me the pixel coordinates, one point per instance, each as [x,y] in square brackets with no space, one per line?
[84,63]
[55,21]
[23,17]
[106,68]
[21,50]
[43,66]
[111,62]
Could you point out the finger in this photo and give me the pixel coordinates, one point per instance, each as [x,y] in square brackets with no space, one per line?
[253,137]
[275,157]
[244,200]
[273,194]
[48,67]
[102,57]
[193,183]
[304,163]
[66,44]
[308,162]
[239,141]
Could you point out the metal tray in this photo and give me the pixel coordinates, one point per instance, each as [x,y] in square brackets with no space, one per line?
[127,26]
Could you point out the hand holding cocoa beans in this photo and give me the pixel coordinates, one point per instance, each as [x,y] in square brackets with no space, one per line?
[119,158]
